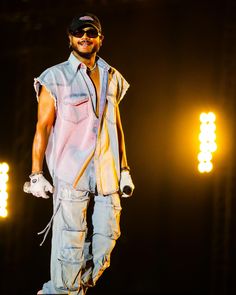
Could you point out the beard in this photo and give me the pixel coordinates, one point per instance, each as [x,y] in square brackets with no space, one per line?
[86,55]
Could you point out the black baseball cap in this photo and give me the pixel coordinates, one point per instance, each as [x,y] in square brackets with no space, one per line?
[83,20]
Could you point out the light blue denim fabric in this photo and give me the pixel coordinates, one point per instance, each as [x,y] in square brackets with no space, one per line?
[79,256]
[77,131]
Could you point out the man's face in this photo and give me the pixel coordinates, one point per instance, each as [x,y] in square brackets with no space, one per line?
[86,41]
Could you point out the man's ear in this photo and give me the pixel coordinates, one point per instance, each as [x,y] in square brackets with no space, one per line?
[101,39]
[70,40]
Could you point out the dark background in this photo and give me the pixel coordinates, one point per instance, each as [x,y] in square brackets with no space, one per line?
[178,230]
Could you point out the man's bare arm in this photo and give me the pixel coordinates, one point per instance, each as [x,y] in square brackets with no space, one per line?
[126,183]
[123,159]
[46,117]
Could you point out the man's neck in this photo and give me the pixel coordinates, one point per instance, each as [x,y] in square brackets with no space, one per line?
[89,62]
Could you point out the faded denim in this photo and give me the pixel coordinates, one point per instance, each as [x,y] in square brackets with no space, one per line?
[79,134]
[85,154]
[82,242]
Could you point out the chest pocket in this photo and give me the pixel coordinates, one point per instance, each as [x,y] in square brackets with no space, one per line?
[111,109]
[75,110]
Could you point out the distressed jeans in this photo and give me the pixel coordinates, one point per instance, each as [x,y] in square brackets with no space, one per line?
[85,230]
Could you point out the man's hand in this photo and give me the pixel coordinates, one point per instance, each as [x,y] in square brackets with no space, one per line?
[126,184]
[38,186]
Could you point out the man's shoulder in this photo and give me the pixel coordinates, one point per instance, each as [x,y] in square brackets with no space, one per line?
[115,72]
[56,69]
[104,64]
[116,76]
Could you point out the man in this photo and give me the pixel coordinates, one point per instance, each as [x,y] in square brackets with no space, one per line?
[79,129]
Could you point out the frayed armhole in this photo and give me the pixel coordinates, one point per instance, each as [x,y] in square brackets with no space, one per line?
[120,81]
[37,84]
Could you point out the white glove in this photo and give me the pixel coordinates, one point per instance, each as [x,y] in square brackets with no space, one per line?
[126,184]
[38,186]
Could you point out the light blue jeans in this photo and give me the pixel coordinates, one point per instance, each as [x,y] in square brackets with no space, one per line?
[85,230]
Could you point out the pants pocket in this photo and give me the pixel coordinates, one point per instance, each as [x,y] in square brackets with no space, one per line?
[74,208]
[106,216]
[71,258]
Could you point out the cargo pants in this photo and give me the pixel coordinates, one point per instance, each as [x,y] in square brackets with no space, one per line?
[85,230]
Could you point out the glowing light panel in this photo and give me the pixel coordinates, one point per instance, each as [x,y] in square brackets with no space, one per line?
[4,168]
[207,139]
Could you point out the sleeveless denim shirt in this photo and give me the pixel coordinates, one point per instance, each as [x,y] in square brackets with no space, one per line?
[79,137]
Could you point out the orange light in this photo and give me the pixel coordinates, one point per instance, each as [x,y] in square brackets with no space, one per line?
[207,139]
[4,168]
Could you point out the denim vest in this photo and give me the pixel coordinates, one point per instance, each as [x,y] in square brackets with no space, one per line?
[79,137]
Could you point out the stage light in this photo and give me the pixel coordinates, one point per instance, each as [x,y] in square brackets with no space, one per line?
[211,117]
[204,156]
[207,139]
[4,168]
[3,212]
[3,203]
[203,117]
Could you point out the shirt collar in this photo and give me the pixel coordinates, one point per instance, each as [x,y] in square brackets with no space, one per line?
[77,64]
[103,64]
